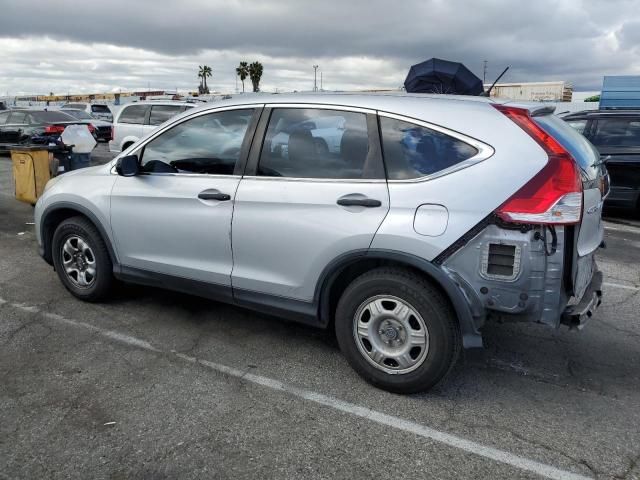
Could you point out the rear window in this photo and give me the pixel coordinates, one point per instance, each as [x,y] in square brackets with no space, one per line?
[80,114]
[617,132]
[78,106]
[413,151]
[45,117]
[100,109]
[133,114]
[162,113]
[576,144]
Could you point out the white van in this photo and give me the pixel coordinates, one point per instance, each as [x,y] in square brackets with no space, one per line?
[134,120]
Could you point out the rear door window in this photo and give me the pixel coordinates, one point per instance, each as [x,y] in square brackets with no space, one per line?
[617,132]
[4,116]
[18,118]
[162,113]
[413,151]
[134,114]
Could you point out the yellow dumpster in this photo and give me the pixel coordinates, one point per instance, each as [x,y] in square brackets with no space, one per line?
[33,166]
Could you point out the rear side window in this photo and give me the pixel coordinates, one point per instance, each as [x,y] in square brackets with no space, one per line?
[51,116]
[413,151]
[100,109]
[578,125]
[318,143]
[4,116]
[162,113]
[133,114]
[18,118]
[617,132]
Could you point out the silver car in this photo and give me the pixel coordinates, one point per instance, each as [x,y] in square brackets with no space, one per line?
[432,215]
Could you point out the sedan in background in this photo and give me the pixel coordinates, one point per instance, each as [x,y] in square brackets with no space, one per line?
[103,128]
[36,126]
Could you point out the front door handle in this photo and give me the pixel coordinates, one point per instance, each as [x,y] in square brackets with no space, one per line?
[214,194]
[359,202]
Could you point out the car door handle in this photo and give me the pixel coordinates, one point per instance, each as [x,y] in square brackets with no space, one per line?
[359,202]
[214,195]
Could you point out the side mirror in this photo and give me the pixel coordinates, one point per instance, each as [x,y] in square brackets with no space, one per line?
[128,166]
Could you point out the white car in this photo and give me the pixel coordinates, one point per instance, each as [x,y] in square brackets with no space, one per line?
[135,120]
[96,110]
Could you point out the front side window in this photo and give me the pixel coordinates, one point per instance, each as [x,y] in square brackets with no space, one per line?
[133,114]
[207,144]
[317,143]
[413,151]
[617,132]
[162,113]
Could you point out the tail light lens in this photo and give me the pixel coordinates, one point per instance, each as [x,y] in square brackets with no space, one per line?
[91,128]
[54,129]
[554,194]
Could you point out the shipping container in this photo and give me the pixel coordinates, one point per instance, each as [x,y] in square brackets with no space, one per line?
[533,91]
[620,91]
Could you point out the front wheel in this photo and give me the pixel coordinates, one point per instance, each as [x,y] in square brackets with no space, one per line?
[82,260]
[397,330]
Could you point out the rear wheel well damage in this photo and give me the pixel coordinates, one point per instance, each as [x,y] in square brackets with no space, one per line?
[50,221]
[340,276]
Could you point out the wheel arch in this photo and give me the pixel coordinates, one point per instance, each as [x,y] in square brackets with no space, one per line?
[59,212]
[341,271]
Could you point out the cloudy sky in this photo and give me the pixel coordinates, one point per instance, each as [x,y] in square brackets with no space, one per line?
[91,46]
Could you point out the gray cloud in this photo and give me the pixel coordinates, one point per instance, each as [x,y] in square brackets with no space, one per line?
[359,43]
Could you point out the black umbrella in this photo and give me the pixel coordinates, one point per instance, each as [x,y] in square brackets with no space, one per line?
[442,76]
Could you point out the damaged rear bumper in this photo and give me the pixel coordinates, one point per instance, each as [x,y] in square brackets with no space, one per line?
[577,315]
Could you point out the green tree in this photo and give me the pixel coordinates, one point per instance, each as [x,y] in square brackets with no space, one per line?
[200,77]
[243,72]
[255,74]
[594,98]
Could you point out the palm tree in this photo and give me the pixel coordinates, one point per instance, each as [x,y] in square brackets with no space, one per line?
[206,72]
[200,76]
[243,72]
[255,74]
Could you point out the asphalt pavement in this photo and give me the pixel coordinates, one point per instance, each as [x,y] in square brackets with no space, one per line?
[160,385]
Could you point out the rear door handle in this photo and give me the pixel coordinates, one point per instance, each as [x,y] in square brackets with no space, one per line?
[214,194]
[359,202]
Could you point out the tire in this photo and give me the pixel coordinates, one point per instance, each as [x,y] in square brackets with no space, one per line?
[92,271]
[425,314]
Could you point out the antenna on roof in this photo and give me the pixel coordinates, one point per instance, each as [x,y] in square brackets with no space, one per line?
[488,92]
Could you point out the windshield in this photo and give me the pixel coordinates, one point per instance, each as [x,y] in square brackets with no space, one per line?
[80,114]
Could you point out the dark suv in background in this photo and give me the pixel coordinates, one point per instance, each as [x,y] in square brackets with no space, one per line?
[35,126]
[616,135]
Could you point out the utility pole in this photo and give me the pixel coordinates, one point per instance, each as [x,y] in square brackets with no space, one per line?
[315,78]
[321,89]
[484,74]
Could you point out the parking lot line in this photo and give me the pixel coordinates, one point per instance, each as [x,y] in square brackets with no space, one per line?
[618,285]
[380,418]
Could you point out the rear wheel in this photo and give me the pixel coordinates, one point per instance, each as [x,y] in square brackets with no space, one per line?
[397,330]
[81,259]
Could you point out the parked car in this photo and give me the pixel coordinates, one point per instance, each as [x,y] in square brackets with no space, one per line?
[616,135]
[36,126]
[102,128]
[96,110]
[135,120]
[434,215]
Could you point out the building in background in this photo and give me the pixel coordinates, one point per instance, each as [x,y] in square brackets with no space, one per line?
[533,91]
[620,91]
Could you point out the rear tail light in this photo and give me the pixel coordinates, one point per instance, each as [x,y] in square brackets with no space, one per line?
[91,128]
[554,194]
[54,129]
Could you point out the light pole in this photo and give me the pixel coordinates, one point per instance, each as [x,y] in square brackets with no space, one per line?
[315,78]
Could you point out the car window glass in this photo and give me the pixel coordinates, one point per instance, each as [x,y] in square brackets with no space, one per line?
[316,143]
[4,116]
[577,125]
[617,132]
[79,114]
[78,106]
[100,109]
[162,113]
[205,144]
[18,118]
[412,151]
[133,114]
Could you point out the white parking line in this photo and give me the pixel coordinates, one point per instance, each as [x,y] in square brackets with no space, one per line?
[621,227]
[380,418]
[619,285]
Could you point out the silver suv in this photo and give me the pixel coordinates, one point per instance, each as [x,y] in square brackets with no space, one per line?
[402,222]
